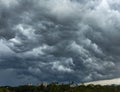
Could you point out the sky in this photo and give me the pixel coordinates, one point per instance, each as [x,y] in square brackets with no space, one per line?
[59,40]
[115,81]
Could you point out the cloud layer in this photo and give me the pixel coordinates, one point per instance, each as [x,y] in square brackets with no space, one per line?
[59,40]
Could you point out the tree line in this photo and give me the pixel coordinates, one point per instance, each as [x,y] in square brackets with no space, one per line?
[56,87]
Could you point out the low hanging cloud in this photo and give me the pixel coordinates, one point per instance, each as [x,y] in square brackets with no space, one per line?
[58,40]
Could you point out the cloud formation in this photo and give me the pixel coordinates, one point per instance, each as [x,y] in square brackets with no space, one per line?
[58,40]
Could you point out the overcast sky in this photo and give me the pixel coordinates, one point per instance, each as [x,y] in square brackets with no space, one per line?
[59,40]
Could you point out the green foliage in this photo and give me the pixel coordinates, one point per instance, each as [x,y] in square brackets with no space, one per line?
[4,90]
[56,87]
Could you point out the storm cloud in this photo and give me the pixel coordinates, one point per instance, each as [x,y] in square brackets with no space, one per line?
[59,40]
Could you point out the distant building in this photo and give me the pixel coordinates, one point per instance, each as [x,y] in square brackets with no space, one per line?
[29,84]
[45,84]
[73,85]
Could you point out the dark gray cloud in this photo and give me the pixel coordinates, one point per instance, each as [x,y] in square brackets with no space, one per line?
[54,40]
